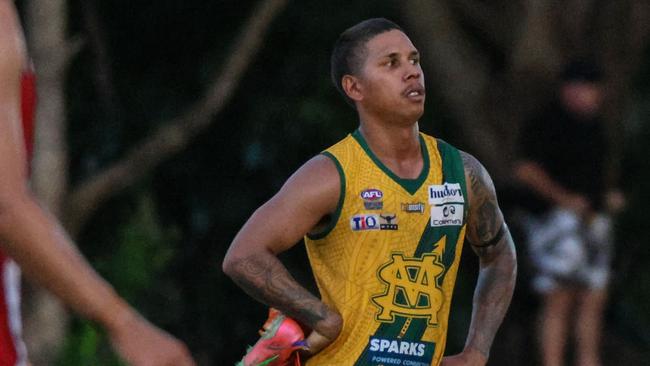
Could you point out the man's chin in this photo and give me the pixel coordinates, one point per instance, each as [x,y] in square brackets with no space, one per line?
[415,114]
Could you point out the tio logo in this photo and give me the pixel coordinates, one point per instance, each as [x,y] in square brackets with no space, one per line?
[364,222]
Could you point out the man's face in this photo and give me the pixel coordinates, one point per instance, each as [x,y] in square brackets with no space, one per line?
[391,82]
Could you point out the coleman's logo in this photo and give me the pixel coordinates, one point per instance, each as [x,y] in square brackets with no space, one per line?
[411,288]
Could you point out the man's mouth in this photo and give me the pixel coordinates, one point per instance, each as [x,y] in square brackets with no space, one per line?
[414,91]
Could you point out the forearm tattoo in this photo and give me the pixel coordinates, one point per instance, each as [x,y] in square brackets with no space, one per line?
[490,239]
[264,278]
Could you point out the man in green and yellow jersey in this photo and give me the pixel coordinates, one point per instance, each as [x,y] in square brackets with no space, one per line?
[385,213]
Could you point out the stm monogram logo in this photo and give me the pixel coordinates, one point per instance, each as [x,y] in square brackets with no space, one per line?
[412,288]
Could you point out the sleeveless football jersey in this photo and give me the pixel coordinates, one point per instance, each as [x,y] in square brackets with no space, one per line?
[12,349]
[389,258]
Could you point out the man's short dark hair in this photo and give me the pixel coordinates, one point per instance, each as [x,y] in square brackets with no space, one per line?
[349,51]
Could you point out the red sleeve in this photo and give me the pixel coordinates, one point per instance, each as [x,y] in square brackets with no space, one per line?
[28,107]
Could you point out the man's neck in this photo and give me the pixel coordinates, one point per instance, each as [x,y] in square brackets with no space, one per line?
[398,147]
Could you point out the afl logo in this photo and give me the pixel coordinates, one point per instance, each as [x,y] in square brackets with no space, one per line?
[372,195]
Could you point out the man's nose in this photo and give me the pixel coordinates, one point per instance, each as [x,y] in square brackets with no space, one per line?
[412,72]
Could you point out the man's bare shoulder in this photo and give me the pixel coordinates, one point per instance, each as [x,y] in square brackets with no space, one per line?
[308,196]
[320,166]
[478,178]
[12,46]
[12,59]
[12,161]
[316,183]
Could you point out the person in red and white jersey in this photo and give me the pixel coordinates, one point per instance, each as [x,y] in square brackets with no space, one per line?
[36,242]
[12,348]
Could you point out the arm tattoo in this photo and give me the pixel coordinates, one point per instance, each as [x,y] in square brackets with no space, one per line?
[493,241]
[490,239]
[485,219]
[264,278]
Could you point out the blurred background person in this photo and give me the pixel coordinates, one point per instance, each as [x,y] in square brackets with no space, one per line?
[569,226]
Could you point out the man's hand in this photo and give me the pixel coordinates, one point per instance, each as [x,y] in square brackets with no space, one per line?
[141,344]
[316,342]
[468,357]
[615,201]
[577,203]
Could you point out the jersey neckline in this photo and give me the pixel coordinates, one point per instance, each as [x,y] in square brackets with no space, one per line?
[409,185]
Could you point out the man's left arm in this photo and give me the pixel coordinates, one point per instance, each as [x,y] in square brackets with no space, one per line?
[488,235]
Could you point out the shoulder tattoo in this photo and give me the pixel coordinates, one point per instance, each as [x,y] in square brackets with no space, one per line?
[486,227]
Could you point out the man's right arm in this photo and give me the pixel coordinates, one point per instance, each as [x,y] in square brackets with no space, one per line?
[308,196]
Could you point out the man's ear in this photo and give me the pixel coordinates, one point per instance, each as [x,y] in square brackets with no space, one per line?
[352,87]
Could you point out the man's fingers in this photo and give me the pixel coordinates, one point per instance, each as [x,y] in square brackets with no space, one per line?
[301,345]
[316,342]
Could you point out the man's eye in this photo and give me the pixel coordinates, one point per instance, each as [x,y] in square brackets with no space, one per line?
[415,61]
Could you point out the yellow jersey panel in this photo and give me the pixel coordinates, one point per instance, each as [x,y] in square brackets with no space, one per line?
[388,262]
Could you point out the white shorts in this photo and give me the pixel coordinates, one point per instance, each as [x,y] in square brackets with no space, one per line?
[569,252]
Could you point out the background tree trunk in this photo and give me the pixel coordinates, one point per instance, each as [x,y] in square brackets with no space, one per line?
[45,317]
